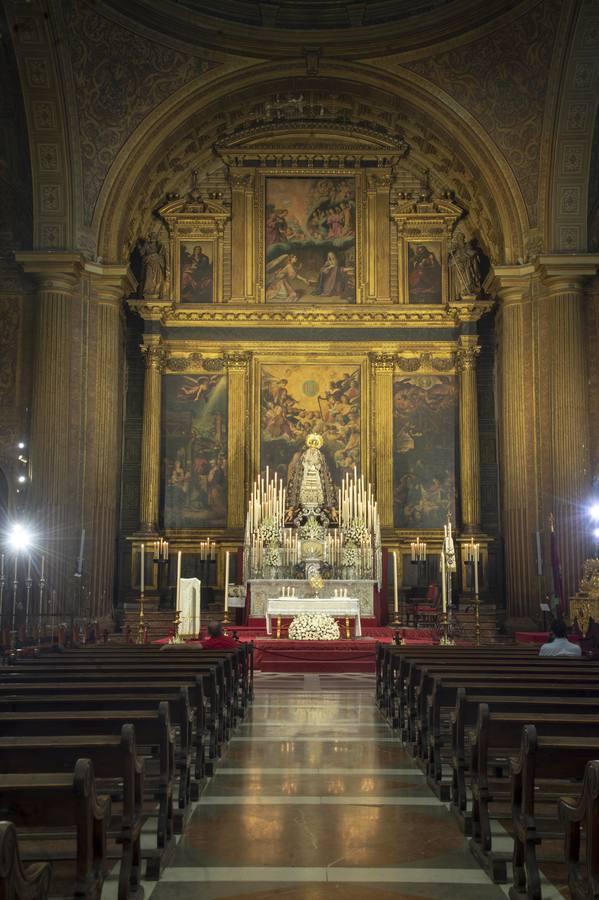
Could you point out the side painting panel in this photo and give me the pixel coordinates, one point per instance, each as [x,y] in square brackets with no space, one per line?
[298,399]
[424,450]
[194,442]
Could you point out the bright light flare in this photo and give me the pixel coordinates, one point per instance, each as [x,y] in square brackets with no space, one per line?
[596,534]
[19,537]
[594,511]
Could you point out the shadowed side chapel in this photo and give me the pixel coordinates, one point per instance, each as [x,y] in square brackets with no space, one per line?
[299,450]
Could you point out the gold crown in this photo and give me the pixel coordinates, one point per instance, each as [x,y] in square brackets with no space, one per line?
[314,440]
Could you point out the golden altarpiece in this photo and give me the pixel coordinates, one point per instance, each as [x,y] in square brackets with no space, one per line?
[310,296]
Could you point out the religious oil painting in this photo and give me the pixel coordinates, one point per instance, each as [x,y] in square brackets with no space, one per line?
[425,279]
[196,272]
[296,400]
[194,441]
[310,240]
[424,450]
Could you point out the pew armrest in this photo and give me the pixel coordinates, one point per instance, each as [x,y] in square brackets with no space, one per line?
[23,883]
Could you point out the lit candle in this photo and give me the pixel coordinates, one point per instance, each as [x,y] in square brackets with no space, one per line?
[142,575]
[43,565]
[443,582]
[395,592]
[178,592]
[227,575]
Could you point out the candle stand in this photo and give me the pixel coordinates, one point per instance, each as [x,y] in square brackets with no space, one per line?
[2,583]
[41,609]
[28,586]
[13,621]
[141,625]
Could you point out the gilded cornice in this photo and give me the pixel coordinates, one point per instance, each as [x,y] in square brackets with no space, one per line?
[260,316]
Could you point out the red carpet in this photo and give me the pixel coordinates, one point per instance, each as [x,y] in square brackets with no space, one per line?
[315,656]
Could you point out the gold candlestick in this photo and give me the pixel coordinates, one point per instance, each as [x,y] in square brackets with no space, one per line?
[141,626]
[477,619]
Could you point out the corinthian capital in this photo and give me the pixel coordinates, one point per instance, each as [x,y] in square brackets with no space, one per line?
[237,361]
[382,362]
[466,357]
[155,356]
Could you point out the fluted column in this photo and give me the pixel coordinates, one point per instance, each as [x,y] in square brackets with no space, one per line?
[469,443]
[150,440]
[382,437]
[237,431]
[563,294]
[109,284]
[53,471]
[517,430]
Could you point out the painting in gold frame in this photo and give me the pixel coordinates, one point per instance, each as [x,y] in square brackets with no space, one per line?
[425,272]
[196,271]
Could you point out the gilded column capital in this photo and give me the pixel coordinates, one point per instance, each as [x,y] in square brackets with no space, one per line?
[382,362]
[380,181]
[241,181]
[466,355]
[513,284]
[237,361]
[156,356]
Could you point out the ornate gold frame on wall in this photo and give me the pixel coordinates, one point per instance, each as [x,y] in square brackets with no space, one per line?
[189,220]
[425,220]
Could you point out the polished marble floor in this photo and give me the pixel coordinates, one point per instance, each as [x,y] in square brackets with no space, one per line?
[315,798]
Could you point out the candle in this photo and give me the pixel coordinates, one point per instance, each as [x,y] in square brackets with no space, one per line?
[227,575]
[178,592]
[81,545]
[43,565]
[142,576]
[395,595]
[443,582]
[29,567]
[16,578]
[476,558]
[2,566]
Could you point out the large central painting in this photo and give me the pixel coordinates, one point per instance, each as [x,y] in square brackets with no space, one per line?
[424,450]
[298,399]
[194,439]
[310,240]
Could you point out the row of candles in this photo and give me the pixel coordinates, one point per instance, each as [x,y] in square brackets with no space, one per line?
[267,502]
[356,501]
[16,572]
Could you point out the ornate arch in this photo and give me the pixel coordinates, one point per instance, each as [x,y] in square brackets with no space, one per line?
[444,138]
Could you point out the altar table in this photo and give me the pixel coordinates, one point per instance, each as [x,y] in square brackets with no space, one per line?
[344,607]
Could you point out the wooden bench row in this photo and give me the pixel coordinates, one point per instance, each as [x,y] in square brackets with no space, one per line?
[152,724]
[503,736]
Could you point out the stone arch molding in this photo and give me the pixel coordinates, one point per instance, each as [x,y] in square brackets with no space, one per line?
[443,138]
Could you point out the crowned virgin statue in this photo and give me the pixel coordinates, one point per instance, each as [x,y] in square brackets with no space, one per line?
[310,486]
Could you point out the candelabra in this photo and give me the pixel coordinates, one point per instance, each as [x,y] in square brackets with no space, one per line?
[176,638]
[141,625]
[13,630]
[28,586]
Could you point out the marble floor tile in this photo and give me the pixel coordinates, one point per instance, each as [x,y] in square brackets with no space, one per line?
[315,783]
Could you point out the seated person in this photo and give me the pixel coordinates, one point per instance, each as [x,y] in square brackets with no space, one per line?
[216,639]
[560,645]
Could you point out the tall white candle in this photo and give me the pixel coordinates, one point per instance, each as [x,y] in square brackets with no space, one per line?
[81,546]
[29,567]
[395,593]
[443,581]
[476,558]
[178,593]
[2,566]
[43,565]
[142,575]
[227,578]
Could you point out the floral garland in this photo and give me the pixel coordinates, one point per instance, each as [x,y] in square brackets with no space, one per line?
[314,627]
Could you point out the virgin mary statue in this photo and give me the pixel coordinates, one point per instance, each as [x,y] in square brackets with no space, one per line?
[310,485]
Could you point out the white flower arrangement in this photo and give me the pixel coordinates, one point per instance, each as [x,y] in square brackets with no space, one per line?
[312,530]
[356,533]
[271,556]
[269,532]
[350,557]
[314,627]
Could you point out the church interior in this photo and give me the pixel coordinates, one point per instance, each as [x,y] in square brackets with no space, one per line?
[299,449]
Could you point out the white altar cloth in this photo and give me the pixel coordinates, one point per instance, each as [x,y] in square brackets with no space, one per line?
[189,606]
[344,607]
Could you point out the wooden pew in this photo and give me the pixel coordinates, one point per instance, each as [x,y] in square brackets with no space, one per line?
[118,771]
[453,707]
[180,717]
[582,815]
[545,768]
[19,882]
[152,730]
[496,738]
[60,801]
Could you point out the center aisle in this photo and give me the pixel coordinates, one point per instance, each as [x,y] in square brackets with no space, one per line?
[315,798]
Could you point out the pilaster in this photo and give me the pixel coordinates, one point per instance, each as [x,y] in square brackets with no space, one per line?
[237,431]
[150,443]
[469,441]
[383,365]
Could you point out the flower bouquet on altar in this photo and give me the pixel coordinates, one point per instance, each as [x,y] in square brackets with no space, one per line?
[314,627]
